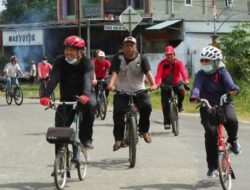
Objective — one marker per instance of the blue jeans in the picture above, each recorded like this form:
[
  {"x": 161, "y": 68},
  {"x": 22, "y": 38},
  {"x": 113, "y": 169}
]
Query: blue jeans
[{"x": 10, "y": 81}]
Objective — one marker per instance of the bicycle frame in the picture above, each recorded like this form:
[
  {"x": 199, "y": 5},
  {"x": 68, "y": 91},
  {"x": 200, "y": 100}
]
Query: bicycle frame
[
  {"x": 224, "y": 165},
  {"x": 64, "y": 154}
]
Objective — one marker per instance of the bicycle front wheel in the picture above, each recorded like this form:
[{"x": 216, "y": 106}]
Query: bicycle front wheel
[
  {"x": 102, "y": 105},
  {"x": 174, "y": 118},
  {"x": 83, "y": 162},
  {"x": 8, "y": 96},
  {"x": 60, "y": 169},
  {"x": 132, "y": 140},
  {"x": 18, "y": 96},
  {"x": 224, "y": 171}
]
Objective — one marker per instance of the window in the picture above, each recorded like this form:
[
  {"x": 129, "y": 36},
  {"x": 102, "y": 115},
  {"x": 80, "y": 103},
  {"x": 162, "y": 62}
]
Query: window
[
  {"x": 188, "y": 2},
  {"x": 248, "y": 7},
  {"x": 70, "y": 7},
  {"x": 137, "y": 4}
]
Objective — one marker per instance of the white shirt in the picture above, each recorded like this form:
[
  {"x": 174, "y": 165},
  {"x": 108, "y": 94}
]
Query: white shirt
[
  {"x": 12, "y": 70},
  {"x": 33, "y": 70}
]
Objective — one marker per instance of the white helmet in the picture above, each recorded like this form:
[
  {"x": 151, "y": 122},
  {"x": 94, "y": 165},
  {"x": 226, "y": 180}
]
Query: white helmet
[{"x": 211, "y": 53}]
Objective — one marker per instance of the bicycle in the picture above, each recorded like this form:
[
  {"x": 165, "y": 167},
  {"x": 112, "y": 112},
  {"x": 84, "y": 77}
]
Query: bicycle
[
  {"x": 15, "y": 93},
  {"x": 225, "y": 169},
  {"x": 173, "y": 108},
  {"x": 102, "y": 103},
  {"x": 41, "y": 90},
  {"x": 65, "y": 136},
  {"x": 131, "y": 125}
]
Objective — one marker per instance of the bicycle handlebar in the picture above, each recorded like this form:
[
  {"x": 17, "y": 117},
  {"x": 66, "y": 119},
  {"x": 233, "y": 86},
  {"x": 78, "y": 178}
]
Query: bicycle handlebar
[
  {"x": 132, "y": 93},
  {"x": 223, "y": 99}
]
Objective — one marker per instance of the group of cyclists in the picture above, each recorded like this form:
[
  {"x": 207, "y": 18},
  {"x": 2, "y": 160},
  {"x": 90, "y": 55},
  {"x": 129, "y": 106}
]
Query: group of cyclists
[{"x": 129, "y": 70}]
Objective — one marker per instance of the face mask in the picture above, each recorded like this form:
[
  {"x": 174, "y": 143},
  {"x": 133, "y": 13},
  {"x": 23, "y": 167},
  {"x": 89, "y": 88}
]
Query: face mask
[
  {"x": 44, "y": 62},
  {"x": 207, "y": 68},
  {"x": 71, "y": 61}
]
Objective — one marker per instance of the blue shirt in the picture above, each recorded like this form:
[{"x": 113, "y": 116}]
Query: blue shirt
[{"x": 212, "y": 87}]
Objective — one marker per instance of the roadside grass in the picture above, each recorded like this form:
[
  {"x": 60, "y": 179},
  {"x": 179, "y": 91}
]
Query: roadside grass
[{"x": 241, "y": 102}]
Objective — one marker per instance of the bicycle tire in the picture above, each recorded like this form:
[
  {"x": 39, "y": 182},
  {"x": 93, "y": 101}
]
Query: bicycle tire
[
  {"x": 224, "y": 169},
  {"x": 18, "y": 96},
  {"x": 174, "y": 118},
  {"x": 8, "y": 97},
  {"x": 83, "y": 163},
  {"x": 102, "y": 105},
  {"x": 60, "y": 169},
  {"x": 132, "y": 140}
]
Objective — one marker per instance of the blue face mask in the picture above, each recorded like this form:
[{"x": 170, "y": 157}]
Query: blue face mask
[
  {"x": 71, "y": 61},
  {"x": 209, "y": 69}
]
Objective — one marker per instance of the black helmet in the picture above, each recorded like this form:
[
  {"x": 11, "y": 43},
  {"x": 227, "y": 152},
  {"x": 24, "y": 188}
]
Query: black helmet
[{"x": 44, "y": 58}]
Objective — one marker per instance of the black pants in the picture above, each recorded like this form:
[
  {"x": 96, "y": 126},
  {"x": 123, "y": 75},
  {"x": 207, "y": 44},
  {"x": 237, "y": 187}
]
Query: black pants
[
  {"x": 120, "y": 104},
  {"x": 165, "y": 96},
  {"x": 231, "y": 126},
  {"x": 65, "y": 115}
]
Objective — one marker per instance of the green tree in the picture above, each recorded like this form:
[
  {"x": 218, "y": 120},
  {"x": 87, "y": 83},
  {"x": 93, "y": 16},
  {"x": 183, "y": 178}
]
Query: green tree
[
  {"x": 236, "y": 50},
  {"x": 28, "y": 11}
]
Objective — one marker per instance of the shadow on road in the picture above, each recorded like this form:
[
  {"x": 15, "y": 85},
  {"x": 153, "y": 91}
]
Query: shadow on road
[
  {"x": 28, "y": 186},
  {"x": 111, "y": 164},
  {"x": 203, "y": 184}
]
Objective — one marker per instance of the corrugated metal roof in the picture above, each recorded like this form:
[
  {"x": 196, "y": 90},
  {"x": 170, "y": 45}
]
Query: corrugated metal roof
[
  {"x": 163, "y": 25},
  {"x": 210, "y": 27}
]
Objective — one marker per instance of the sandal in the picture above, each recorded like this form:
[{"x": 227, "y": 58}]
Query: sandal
[
  {"x": 147, "y": 137},
  {"x": 117, "y": 145}
]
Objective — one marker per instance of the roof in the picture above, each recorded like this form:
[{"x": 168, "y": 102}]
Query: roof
[{"x": 163, "y": 24}]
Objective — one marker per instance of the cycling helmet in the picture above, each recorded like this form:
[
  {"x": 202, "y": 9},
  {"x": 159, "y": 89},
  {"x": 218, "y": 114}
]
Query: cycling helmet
[
  {"x": 169, "y": 49},
  {"x": 74, "y": 41},
  {"x": 211, "y": 53},
  {"x": 13, "y": 57}
]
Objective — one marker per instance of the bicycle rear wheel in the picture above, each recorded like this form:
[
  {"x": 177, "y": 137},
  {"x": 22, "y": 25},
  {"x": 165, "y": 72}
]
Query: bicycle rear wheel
[
  {"x": 18, "y": 96},
  {"x": 8, "y": 96},
  {"x": 60, "y": 169},
  {"x": 102, "y": 105},
  {"x": 224, "y": 171},
  {"x": 82, "y": 165},
  {"x": 174, "y": 118},
  {"x": 132, "y": 140}
]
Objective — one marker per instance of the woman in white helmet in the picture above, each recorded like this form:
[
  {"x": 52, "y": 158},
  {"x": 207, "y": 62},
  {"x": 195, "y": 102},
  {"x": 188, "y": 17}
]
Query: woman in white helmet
[{"x": 211, "y": 82}]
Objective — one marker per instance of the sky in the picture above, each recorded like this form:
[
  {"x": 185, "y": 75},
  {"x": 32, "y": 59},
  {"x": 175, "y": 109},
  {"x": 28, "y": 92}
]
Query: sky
[{"x": 1, "y": 6}]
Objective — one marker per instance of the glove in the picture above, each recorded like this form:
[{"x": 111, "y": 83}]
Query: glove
[
  {"x": 84, "y": 99},
  {"x": 45, "y": 101},
  {"x": 193, "y": 99}
]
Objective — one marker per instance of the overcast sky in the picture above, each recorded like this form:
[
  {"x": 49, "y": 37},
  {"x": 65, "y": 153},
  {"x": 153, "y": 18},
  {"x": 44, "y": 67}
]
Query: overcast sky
[{"x": 1, "y": 5}]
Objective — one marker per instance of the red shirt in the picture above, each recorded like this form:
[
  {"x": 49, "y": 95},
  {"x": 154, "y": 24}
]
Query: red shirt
[
  {"x": 165, "y": 68},
  {"x": 101, "y": 68},
  {"x": 44, "y": 70}
]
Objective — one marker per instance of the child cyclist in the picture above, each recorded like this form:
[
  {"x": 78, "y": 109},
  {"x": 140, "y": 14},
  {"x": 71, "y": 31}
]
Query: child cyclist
[{"x": 211, "y": 82}]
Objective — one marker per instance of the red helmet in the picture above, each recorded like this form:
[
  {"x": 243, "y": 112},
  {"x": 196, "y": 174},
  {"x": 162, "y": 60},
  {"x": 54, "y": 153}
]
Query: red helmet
[
  {"x": 169, "y": 49},
  {"x": 74, "y": 41}
]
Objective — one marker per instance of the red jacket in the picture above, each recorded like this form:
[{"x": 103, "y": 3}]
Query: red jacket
[
  {"x": 101, "y": 68},
  {"x": 165, "y": 68}
]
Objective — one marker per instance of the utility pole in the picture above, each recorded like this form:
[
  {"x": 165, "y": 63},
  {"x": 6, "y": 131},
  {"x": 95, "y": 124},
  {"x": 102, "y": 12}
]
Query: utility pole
[{"x": 79, "y": 18}]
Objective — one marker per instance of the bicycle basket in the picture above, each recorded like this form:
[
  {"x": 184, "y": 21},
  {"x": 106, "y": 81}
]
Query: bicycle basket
[{"x": 60, "y": 135}]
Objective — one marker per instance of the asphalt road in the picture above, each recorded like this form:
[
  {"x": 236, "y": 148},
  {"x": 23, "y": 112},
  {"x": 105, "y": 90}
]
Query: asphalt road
[{"x": 168, "y": 163}]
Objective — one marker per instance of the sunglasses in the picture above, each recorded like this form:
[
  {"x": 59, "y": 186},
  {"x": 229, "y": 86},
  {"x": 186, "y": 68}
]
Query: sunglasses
[{"x": 205, "y": 60}]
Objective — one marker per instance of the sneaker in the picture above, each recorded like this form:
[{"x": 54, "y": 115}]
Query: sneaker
[
  {"x": 167, "y": 126},
  {"x": 88, "y": 144},
  {"x": 212, "y": 173},
  {"x": 235, "y": 147}
]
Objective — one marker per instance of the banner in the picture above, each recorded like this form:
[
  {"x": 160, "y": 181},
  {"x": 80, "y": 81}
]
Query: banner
[{"x": 22, "y": 37}]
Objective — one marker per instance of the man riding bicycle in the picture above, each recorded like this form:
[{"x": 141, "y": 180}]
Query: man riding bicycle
[
  {"x": 102, "y": 67},
  {"x": 11, "y": 71},
  {"x": 128, "y": 72},
  {"x": 44, "y": 69},
  {"x": 74, "y": 72},
  {"x": 211, "y": 82},
  {"x": 171, "y": 71}
]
